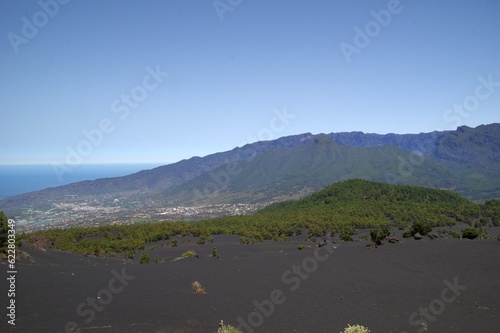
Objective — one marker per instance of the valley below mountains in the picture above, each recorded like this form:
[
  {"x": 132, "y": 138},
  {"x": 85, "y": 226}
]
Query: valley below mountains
[{"x": 248, "y": 178}]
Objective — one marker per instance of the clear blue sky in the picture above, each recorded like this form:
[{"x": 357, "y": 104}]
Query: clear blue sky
[{"x": 230, "y": 73}]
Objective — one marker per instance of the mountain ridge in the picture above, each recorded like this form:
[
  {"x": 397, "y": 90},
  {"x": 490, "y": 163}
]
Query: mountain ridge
[{"x": 466, "y": 160}]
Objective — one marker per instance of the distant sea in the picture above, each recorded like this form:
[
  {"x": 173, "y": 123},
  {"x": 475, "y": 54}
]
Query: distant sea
[{"x": 18, "y": 179}]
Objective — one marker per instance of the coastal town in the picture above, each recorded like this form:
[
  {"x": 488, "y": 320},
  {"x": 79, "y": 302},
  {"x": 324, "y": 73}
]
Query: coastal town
[{"x": 65, "y": 215}]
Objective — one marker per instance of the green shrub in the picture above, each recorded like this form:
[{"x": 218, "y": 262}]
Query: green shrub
[
  {"x": 378, "y": 234},
  {"x": 215, "y": 253},
  {"x": 345, "y": 235},
  {"x": 356, "y": 329},
  {"x": 496, "y": 221},
  {"x": 470, "y": 233},
  {"x": 158, "y": 260},
  {"x": 228, "y": 329},
  {"x": 301, "y": 246},
  {"x": 144, "y": 258},
  {"x": 174, "y": 242},
  {"x": 454, "y": 234},
  {"x": 483, "y": 234},
  {"x": 188, "y": 254},
  {"x": 421, "y": 228},
  {"x": 244, "y": 240}
]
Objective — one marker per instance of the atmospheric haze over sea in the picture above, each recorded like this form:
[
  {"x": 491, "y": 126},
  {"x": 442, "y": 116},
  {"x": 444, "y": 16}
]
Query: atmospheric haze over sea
[{"x": 18, "y": 179}]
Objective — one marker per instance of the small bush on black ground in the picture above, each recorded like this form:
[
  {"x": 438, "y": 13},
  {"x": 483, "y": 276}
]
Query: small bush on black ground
[
  {"x": 244, "y": 240},
  {"x": 421, "y": 228},
  {"x": 470, "y": 233},
  {"x": 228, "y": 329},
  {"x": 378, "y": 234},
  {"x": 158, "y": 260},
  {"x": 144, "y": 258},
  {"x": 215, "y": 253},
  {"x": 345, "y": 235}
]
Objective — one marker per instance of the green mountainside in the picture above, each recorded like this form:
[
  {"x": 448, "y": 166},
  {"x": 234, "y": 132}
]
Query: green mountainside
[
  {"x": 340, "y": 207},
  {"x": 312, "y": 166}
]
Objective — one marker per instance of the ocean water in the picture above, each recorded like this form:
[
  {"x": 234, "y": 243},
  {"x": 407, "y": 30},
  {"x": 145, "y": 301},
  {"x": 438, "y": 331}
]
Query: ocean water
[{"x": 18, "y": 179}]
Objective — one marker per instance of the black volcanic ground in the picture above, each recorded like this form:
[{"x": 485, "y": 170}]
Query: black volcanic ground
[{"x": 354, "y": 284}]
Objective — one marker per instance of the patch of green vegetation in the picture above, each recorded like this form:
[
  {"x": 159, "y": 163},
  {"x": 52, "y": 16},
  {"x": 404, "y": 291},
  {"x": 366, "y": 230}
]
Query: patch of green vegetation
[
  {"x": 421, "y": 228},
  {"x": 301, "y": 246},
  {"x": 189, "y": 254},
  {"x": 228, "y": 329},
  {"x": 345, "y": 234},
  {"x": 244, "y": 240},
  {"x": 356, "y": 329},
  {"x": 144, "y": 258},
  {"x": 470, "y": 233},
  {"x": 377, "y": 235},
  {"x": 158, "y": 260}
]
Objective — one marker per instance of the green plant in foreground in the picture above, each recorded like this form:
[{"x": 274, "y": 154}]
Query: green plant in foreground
[
  {"x": 301, "y": 246},
  {"x": 356, "y": 329},
  {"x": 228, "y": 329}
]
